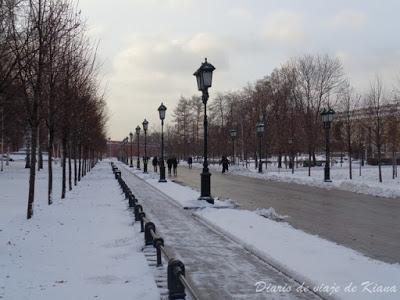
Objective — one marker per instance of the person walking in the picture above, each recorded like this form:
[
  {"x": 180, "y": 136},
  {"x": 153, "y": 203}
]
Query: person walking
[
  {"x": 225, "y": 164},
  {"x": 190, "y": 162},
  {"x": 169, "y": 165},
  {"x": 175, "y": 165},
  {"x": 155, "y": 163}
]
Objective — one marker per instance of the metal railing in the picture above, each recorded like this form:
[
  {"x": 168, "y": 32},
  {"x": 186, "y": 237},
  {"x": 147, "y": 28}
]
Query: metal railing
[{"x": 177, "y": 282}]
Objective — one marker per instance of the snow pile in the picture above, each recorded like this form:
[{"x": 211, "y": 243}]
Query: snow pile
[
  {"x": 82, "y": 247},
  {"x": 271, "y": 214}
]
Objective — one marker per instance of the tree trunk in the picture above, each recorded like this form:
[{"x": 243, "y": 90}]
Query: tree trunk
[
  {"x": 75, "y": 167},
  {"x": 28, "y": 152},
  {"x": 63, "y": 165},
  {"x": 379, "y": 163},
  {"x": 80, "y": 162},
  {"x": 32, "y": 170},
  {"x": 350, "y": 152},
  {"x": 40, "y": 154},
  {"x": 69, "y": 167},
  {"x": 394, "y": 164},
  {"x": 50, "y": 167},
  {"x": 350, "y": 166},
  {"x": 279, "y": 160}
]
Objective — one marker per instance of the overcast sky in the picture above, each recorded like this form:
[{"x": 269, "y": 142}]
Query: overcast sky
[{"x": 150, "y": 48}]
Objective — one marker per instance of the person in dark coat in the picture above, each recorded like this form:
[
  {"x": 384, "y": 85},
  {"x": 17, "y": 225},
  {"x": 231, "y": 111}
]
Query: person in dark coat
[
  {"x": 190, "y": 162},
  {"x": 155, "y": 163},
  {"x": 169, "y": 165},
  {"x": 225, "y": 164},
  {"x": 175, "y": 165}
]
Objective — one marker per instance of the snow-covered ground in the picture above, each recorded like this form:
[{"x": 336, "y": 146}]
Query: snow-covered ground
[
  {"x": 367, "y": 183},
  {"x": 82, "y": 247},
  {"x": 327, "y": 267}
]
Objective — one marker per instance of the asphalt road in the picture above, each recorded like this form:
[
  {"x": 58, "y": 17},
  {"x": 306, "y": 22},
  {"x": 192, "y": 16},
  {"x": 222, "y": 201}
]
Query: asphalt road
[{"x": 368, "y": 224}]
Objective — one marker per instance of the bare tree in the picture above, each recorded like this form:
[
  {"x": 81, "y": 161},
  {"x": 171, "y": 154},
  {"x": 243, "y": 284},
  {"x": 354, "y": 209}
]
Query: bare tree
[
  {"x": 375, "y": 103},
  {"x": 349, "y": 103}
]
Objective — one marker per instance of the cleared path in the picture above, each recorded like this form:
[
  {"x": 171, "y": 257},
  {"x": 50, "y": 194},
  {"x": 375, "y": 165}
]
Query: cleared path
[
  {"x": 368, "y": 224},
  {"x": 218, "y": 267}
]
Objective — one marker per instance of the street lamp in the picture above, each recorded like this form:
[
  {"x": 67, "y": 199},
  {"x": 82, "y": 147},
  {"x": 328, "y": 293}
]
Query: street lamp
[
  {"x": 145, "y": 126},
  {"x": 327, "y": 118},
  {"x": 260, "y": 132},
  {"x": 131, "y": 140},
  {"x": 233, "y": 133},
  {"x": 161, "y": 110},
  {"x": 204, "y": 81},
  {"x": 138, "y": 149}
]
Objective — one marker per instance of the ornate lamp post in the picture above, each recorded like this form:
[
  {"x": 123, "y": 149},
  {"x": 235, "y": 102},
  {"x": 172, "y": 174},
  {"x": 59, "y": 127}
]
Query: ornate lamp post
[
  {"x": 161, "y": 110},
  {"x": 260, "y": 132},
  {"x": 233, "y": 133},
  {"x": 327, "y": 118},
  {"x": 204, "y": 81},
  {"x": 138, "y": 149},
  {"x": 131, "y": 140},
  {"x": 145, "y": 126}
]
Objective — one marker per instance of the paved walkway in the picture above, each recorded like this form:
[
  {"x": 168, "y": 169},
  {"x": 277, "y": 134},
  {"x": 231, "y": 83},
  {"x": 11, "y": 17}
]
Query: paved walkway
[
  {"x": 364, "y": 223},
  {"x": 218, "y": 267}
]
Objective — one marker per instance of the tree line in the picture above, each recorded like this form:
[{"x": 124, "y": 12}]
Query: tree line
[
  {"x": 289, "y": 101},
  {"x": 49, "y": 89}
]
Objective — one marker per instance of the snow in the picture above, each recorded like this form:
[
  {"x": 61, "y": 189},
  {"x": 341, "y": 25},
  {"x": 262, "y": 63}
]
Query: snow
[
  {"x": 327, "y": 267},
  {"x": 82, "y": 247},
  {"x": 367, "y": 183},
  {"x": 310, "y": 259},
  {"x": 270, "y": 213}
]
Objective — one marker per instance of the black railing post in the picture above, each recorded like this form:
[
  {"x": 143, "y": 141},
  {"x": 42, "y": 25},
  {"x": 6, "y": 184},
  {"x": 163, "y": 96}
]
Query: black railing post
[
  {"x": 148, "y": 237},
  {"x": 138, "y": 209},
  {"x": 158, "y": 243},
  {"x": 175, "y": 286},
  {"x": 142, "y": 215}
]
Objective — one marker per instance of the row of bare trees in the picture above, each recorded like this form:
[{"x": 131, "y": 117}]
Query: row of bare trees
[
  {"x": 49, "y": 89},
  {"x": 289, "y": 101}
]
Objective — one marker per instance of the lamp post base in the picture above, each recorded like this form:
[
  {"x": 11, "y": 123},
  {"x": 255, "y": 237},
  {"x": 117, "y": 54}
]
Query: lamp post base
[
  {"x": 208, "y": 199},
  {"x": 327, "y": 175},
  {"x": 162, "y": 174},
  {"x": 206, "y": 187}
]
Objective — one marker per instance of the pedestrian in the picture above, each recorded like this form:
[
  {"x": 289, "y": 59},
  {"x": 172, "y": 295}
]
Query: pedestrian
[
  {"x": 175, "y": 165},
  {"x": 169, "y": 165},
  {"x": 225, "y": 164},
  {"x": 155, "y": 163},
  {"x": 190, "y": 161}
]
